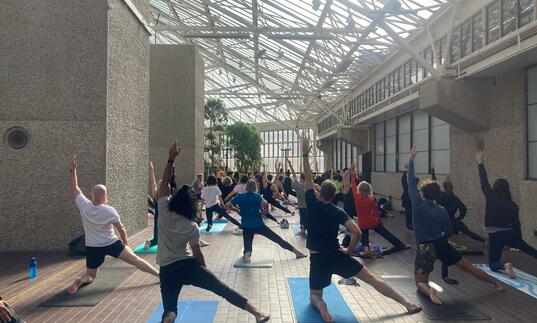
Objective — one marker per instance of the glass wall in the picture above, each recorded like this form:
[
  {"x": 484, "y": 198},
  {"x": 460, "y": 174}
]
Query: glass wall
[
  {"x": 532, "y": 121},
  {"x": 344, "y": 155},
  {"x": 394, "y": 137},
  {"x": 280, "y": 144}
]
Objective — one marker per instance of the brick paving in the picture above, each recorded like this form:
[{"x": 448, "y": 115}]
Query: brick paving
[{"x": 137, "y": 297}]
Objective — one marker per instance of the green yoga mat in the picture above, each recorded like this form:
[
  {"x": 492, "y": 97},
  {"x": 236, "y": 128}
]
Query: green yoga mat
[
  {"x": 452, "y": 309},
  {"x": 108, "y": 279},
  {"x": 140, "y": 248},
  {"x": 262, "y": 257}
]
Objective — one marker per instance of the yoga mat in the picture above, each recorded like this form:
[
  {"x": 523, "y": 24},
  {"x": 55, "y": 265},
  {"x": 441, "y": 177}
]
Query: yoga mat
[
  {"x": 452, "y": 308},
  {"x": 262, "y": 257},
  {"x": 305, "y": 312},
  {"x": 524, "y": 282},
  {"x": 218, "y": 226},
  {"x": 189, "y": 312},
  {"x": 296, "y": 229},
  {"x": 108, "y": 279},
  {"x": 140, "y": 248}
]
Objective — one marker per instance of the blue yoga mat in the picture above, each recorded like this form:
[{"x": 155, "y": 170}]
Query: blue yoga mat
[
  {"x": 306, "y": 313},
  {"x": 189, "y": 312},
  {"x": 524, "y": 282},
  {"x": 218, "y": 226}
]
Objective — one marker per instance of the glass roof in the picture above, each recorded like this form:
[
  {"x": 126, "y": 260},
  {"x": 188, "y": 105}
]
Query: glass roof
[{"x": 280, "y": 60}]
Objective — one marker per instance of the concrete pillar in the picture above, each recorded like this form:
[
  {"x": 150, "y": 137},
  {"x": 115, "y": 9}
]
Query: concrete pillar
[
  {"x": 76, "y": 79},
  {"x": 177, "y": 108},
  {"x": 358, "y": 138}
]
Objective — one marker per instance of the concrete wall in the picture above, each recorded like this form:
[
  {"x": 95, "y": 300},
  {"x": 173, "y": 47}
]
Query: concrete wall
[
  {"x": 176, "y": 108},
  {"x": 55, "y": 79}
]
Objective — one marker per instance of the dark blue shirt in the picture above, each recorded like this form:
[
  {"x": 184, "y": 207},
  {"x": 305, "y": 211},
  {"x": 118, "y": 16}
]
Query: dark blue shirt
[
  {"x": 430, "y": 220},
  {"x": 250, "y": 205}
]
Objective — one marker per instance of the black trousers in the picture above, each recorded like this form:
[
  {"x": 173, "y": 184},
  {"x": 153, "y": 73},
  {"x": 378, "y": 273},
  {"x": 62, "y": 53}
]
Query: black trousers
[
  {"x": 408, "y": 216},
  {"x": 461, "y": 227},
  {"x": 154, "y": 240},
  {"x": 190, "y": 272},
  {"x": 271, "y": 217},
  {"x": 248, "y": 238},
  {"x": 380, "y": 229},
  {"x": 277, "y": 204},
  {"x": 218, "y": 209}
]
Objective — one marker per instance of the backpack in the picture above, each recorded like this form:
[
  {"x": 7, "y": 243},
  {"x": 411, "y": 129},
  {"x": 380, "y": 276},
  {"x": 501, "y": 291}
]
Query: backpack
[{"x": 78, "y": 246}]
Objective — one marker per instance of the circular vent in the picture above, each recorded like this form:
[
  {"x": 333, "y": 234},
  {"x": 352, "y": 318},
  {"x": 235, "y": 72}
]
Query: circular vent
[{"x": 17, "y": 137}]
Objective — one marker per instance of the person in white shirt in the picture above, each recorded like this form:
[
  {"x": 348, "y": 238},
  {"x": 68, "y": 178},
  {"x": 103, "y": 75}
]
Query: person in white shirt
[
  {"x": 212, "y": 196},
  {"x": 99, "y": 221}
]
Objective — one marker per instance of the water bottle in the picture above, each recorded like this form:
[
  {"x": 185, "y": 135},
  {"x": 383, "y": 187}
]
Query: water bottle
[{"x": 33, "y": 268}]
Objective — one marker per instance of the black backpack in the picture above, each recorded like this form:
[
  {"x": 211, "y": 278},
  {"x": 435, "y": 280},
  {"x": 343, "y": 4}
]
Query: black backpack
[{"x": 78, "y": 246}]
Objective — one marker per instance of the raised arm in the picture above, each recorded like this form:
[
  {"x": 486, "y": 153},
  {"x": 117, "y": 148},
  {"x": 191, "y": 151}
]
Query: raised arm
[
  {"x": 173, "y": 152},
  {"x": 291, "y": 168},
  {"x": 75, "y": 190},
  {"x": 485, "y": 185},
  {"x": 411, "y": 179},
  {"x": 308, "y": 177},
  {"x": 153, "y": 183},
  {"x": 345, "y": 185}
]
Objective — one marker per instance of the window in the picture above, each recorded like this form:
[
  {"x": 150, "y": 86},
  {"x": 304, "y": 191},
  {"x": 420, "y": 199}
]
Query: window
[
  {"x": 404, "y": 145},
  {"x": 428, "y": 55},
  {"x": 420, "y": 138},
  {"x": 439, "y": 146},
  {"x": 509, "y": 16},
  {"x": 532, "y": 121},
  {"x": 391, "y": 139},
  {"x": 466, "y": 38},
  {"x": 493, "y": 22},
  {"x": 456, "y": 44},
  {"x": 379, "y": 147},
  {"x": 408, "y": 74},
  {"x": 477, "y": 32},
  {"x": 525, "y": 15}
]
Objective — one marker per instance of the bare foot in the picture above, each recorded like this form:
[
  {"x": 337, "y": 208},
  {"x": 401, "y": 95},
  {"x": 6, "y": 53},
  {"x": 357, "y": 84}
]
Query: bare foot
[
  {"x": 247, "y": 260},
  {"x": 73, "y": 288},
  {"x": 412, "y": 308},
  {"x": 323, "y": 310},
  {"x": 510, "y": 270},
  {"x": 204, "y": 243},
  {"x": 262, "y": 318},
  {"x": 434, "y": 297},
  {"x": 147, "y": 245}
]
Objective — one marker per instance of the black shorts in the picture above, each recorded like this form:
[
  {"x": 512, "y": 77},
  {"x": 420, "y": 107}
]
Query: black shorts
[
  {"x": 428, "y": 252},
  {"x": 95, "y": 255},
  {"x": 324, "y": 265}
]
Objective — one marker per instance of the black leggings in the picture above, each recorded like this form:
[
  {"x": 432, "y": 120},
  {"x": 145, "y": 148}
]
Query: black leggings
[
  {"x": 248, "y": 238},
  {"x": 190, "y": 272},
  {"x": 218, "y": 209},
  {"x": 460, "y": 226},
  {"x": 271, "y": 217},
  {"x": 408, "y": 216},
  {"x": 380, "y": 229},
  {"x": 277, "y": 204}
]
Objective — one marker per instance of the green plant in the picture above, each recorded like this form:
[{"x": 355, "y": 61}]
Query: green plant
[
  {"x": 246, "y": 143},
  {"x": 216, "y": 114}
]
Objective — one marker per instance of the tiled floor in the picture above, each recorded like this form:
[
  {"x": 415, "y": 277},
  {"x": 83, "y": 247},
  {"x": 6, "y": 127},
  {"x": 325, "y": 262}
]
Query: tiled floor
[{"x": 138, "y": 296}]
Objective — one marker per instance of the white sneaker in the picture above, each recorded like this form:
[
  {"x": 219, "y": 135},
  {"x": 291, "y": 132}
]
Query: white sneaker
[{"x": 237, "y": 231}]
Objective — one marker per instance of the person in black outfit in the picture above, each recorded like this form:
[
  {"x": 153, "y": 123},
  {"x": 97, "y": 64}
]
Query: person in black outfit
[
  {"x": 348, "y": 203},
  {"x": 288, "y": 184},
  {"x": 267, "y": 189},
  {"x": 405, "y": 199},
  {"x": 326, "y": 257},
  {"x": 501, "y": 220}
]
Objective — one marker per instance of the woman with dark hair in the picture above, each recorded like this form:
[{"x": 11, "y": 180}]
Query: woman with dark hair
[
  {"x": 213, "y": 203},
  {"x": 251, "y": 204},
  {"x": 267, "y": 190},
  {"x": 179, "y": 264}
]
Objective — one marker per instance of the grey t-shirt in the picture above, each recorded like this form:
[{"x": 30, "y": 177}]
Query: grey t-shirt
[
  {"x": 175, "y": 232},
  {"x": 300, "y": 194}
]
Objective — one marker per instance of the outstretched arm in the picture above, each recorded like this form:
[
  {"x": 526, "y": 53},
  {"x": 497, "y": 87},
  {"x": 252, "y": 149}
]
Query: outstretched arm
[
  {"x": 485, "y": 185},
  {"x": 291, "y": 168},
  {"x": 306, "y": 148},
  {"x": 411, "y": 179},
  {"x": 75, "y": 190},
  {"x": 347, "y": 180},
  {"x": 173, "y": 152},
  {"x": 153, "y": 183}
]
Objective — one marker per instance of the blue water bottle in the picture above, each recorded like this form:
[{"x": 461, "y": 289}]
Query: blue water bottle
[{"x": 33, "y": 268}]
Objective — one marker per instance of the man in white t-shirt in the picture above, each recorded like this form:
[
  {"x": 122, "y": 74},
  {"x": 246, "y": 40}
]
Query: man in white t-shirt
[
  {"x": 99, "y": 221},
  {"x": 212, "y": 196}
]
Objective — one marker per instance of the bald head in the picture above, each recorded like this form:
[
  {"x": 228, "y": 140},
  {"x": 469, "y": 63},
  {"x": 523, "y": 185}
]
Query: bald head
[{"x": 98, "y": 193}]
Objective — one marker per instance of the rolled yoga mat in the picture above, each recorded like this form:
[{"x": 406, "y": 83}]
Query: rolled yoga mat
[
  {"x": 108, "y": 279},
  {"x": 524, "y": 282},
  {"x": 189, "y": 312},
  {"x": 452, "y": 308},
  {"x": 262, "y": 257},
  {"x": 305, "y": 312}
]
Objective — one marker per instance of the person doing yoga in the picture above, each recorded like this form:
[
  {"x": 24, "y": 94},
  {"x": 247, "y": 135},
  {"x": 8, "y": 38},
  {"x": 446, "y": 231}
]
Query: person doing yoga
[
  {"x": 326, "y": 257},
  {"x": 267, "y": 189},
  {"x": 432, "y": 227},
  {"x": 298, "y": 187},
  {"x": 180, "y": 264},
  {"x": 99, "y": 220},
  {"x": 251, "y": 206},
  {"x": 212, "y": 196}
]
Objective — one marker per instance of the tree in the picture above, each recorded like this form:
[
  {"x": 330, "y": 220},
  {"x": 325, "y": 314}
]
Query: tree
[
  {"x": 216, "y": 114},
  {"x": 246, "y": 142}
]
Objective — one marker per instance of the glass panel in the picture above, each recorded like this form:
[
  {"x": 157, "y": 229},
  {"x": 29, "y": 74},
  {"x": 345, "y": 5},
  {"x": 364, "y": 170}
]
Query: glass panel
[
  {"x": 526, "y": 12},
  {"x": 532, "y": 160},
  {"x": 428, "y": 55},
  {"x": 421, "y": 163},
  {"x": 404, "y": 143},
  {"x": 532, "y": 122},
  {"x": 440, "y": 161},
  {"x": 509, "y": 15},
  {"x": 390, "y": 145},
  {"x": 403, "y": 158},
  {"x": 390, "y": 163},
  {"x": 379, "y": 130},
  {"x": 456, "y": 44},
  {"x": 493, "y": 22},
  {"x": 532, "y": 85},
  {"x": 436, "y": 122},
  {"x": 379, "y": 143},
  {"x": 420, "y": 120},
  {"x": 440, "y": 137},
  {"x": 379, "y": 163},
  {"x": 420, "y": 73},
  {"x": 420, "y": 138},
  {"x": 408, "y": 74},
  {"x": 477, "y": 22},
  {"x": 466, "y": 38},
  {"x": 404, "y": 123},
  {"x": 391, "y": 127}
]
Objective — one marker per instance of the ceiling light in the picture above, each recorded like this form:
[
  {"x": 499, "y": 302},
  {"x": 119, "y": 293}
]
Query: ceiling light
[{"x": 316, "y": 4}]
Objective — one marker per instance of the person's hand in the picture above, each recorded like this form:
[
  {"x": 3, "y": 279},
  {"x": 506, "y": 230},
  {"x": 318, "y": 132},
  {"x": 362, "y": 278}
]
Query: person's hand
[
  {"x": 5, "y": 314},
  {"x": 174, "y": 150},
  {"x": 74, "y": 163},
  {"x": 346, "y": 251},
  {"x": 413, "y": 152},
  {"x": 306, "y": 146},
  {"x": 480, "y": 157},
  {"x": 151, "y": 165}
]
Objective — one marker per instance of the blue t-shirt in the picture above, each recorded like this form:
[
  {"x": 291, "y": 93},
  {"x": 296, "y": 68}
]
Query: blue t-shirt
[{"x": 250, "y": 205}]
